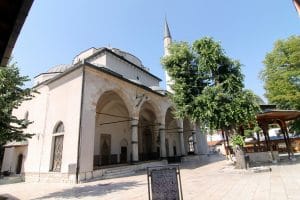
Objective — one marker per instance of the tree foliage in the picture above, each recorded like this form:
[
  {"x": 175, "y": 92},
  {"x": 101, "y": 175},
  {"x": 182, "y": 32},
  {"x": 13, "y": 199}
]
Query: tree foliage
[
  {"x": 281, "y": 74},
  {"x": 12, "y": 94},
  {"x": 208, "y": 85}
]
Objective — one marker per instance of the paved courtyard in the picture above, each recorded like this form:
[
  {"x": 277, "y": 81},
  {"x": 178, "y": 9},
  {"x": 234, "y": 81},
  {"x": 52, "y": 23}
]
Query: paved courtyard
[{"x": 214, "y": 179}]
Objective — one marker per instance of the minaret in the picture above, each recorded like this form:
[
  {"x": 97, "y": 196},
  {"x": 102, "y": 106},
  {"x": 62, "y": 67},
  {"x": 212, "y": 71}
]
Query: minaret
[{"x": 167, "y": 42}]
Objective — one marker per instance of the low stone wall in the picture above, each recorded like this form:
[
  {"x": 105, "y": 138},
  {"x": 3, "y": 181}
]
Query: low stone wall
[
  {"x": 263, "y": 156},
  {"x": 50, "y": 177},
  {"x": 56, "y": 177},
  {"x": 101, "y": 173}
]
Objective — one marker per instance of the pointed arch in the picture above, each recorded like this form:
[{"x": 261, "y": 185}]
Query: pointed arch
[
  {"x": 123, "y": 143},
  {"x": 112, "y": 125},
  {"x": 116, "y": 93},
  {"x": 59, "y": 127},
  {"x": 57, "y": 146}
]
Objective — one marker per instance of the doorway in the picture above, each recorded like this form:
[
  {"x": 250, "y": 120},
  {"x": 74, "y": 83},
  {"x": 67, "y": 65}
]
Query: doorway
[
  {"x": 123, "y": 155},
  {"x": 19, "y": 164},
  {"x": 105, "y": 149}
]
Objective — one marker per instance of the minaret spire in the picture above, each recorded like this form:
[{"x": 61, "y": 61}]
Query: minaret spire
[
  {"x": 167, "y": 33},
  {"x": 167, "y": 43},
  {"x": 167, "y": 38}
]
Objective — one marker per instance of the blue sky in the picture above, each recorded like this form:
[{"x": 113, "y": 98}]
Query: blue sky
[{"x": 56, "y": 31}]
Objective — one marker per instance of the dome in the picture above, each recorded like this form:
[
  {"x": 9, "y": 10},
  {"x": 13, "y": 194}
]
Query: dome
[
  {"x": 59, "y": 68},
  {"x": 128, "y": 56}
]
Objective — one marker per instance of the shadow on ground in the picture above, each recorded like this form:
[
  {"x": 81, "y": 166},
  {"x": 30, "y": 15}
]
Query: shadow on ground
[
  {"x": 91, "y": 190},
  {"x": 8, "y": 197},
  {"x": 209, "y": 159}
]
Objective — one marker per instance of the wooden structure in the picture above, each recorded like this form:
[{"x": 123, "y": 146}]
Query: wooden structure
[
  {"x": 279, "y": 117},
  {"x": 12, "y": 17}
]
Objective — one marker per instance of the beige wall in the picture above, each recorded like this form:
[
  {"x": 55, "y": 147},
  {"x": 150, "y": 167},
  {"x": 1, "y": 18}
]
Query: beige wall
[
  {"x": 11, "y": 158},
  {"x": 58, "y": 101}
]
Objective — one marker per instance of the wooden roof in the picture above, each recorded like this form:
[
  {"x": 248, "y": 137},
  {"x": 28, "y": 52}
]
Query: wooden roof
[
  {"x": 12, "y": 16},
  {"x": 284, "y": 115}
]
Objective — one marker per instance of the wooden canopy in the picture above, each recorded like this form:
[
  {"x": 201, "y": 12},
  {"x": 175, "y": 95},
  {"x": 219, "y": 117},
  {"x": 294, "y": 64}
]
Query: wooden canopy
[
  {"x": 284, "y": 115},
  {"x": 279, "y": 117},
  {"x": 12, "y": 16}
]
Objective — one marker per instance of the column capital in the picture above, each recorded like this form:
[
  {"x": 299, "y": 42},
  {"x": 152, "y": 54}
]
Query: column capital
[
  {"x": 162, "y": 126},
  {"x": 134, "y": 122},
  {"x": 180, "y": 130}
]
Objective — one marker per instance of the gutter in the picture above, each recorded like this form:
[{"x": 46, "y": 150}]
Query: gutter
[{"x": 80, "y": 126}]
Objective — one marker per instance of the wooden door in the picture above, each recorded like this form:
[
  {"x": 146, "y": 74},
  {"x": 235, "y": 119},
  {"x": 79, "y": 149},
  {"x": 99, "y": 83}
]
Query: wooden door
[
  {"x": 105, "y": 149},
  {"x": 19, "y": 164},
  {"x": 123, "y": 156},
  {"x": 57, "y": 154}
]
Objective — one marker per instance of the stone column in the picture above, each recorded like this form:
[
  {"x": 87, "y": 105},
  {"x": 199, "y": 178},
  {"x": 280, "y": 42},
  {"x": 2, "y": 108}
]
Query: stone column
[
  {"x": 202, "y": 142},
  {"x": 134, "y": 140},
  {"x": 194, "y": 133},
  {"x": 181, "y": 138},
  {"x": 162, "y": 137}
]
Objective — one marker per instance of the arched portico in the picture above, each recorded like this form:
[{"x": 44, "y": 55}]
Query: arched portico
[
  {"x": 148, "y": 136},
  {"x": 112, "y": 130},
  {"x": 172, "y": 130},
  {"x": 189, "y": 131}
]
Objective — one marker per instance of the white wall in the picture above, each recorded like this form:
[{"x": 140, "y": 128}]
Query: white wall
[
  {"x": 64, "y": 103},
  {"x": 58, "y": 101},
  {"x": 11, "y": 158}
]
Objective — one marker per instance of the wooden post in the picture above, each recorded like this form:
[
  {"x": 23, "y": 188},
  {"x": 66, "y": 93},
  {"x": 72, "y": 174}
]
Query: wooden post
[
  {"x": 288, "y": 139},
  {"x": 284, "y": 136},
  {"x": 258, "y": 139}
]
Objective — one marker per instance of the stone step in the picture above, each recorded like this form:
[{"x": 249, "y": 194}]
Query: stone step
[
  {"x": 118, "y": 170},
  {"x": 10, "y": 180},
  {"x": 117, "y": 175}
]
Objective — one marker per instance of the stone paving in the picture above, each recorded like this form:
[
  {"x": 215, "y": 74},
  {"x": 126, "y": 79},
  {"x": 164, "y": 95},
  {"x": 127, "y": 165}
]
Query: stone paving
[{"x": 211, "y": 180}]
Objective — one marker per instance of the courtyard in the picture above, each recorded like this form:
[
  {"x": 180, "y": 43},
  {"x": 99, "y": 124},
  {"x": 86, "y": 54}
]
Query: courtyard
[{"x": 212, "y": 178}]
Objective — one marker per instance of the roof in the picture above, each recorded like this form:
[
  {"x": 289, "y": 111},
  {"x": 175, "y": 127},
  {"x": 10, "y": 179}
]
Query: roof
[
  {"x": 101, "y": 69},
  {"x": 122, "y": 58},
  {"x": 214, "y": 143},
  {"x": 167, "y": 33},
  {"x": 59, "y": 68},
  {"x": 12, "y": 17},
  {"x": 15, "y": 143},
  {"x": 285, "y": 115}
]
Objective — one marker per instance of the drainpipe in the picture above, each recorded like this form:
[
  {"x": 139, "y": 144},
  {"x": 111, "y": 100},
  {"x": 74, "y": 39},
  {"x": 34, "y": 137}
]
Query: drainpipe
[{"x": 80, "y": 125}]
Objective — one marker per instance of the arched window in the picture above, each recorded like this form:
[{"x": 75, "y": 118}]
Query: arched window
[
  {"x": 191, "y": 144},
  {"x": 58, "y": 140},
  {"x": 59, "y": 128}
]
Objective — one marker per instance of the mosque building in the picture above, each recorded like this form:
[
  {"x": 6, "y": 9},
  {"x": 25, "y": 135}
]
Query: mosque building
[{"x": 102, "y": 111}]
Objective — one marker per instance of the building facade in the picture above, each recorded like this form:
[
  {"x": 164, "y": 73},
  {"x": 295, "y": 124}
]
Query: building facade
[{"x": 104, "y": 109}]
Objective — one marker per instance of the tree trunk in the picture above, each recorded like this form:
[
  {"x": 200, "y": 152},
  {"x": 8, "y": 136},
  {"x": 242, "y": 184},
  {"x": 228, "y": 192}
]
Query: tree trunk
[{"x": 240, "y": 158}]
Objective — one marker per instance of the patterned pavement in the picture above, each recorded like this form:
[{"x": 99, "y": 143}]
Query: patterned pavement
[{"x": 212, "y": 179}]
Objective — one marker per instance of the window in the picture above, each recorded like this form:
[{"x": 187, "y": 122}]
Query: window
[
  {"x": 59, "y": 128},
  {"x": 58, "y": 141},
  {"x": 191, "y": 144}
]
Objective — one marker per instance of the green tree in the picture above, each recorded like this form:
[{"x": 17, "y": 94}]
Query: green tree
[
  {"x": 12, "y": 94},
  {"x": 281, "y": 74},
  {"x": 208, "y": 85}
]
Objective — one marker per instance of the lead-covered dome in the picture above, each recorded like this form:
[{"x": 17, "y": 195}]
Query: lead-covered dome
[{"x": 59, "y": 68}]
